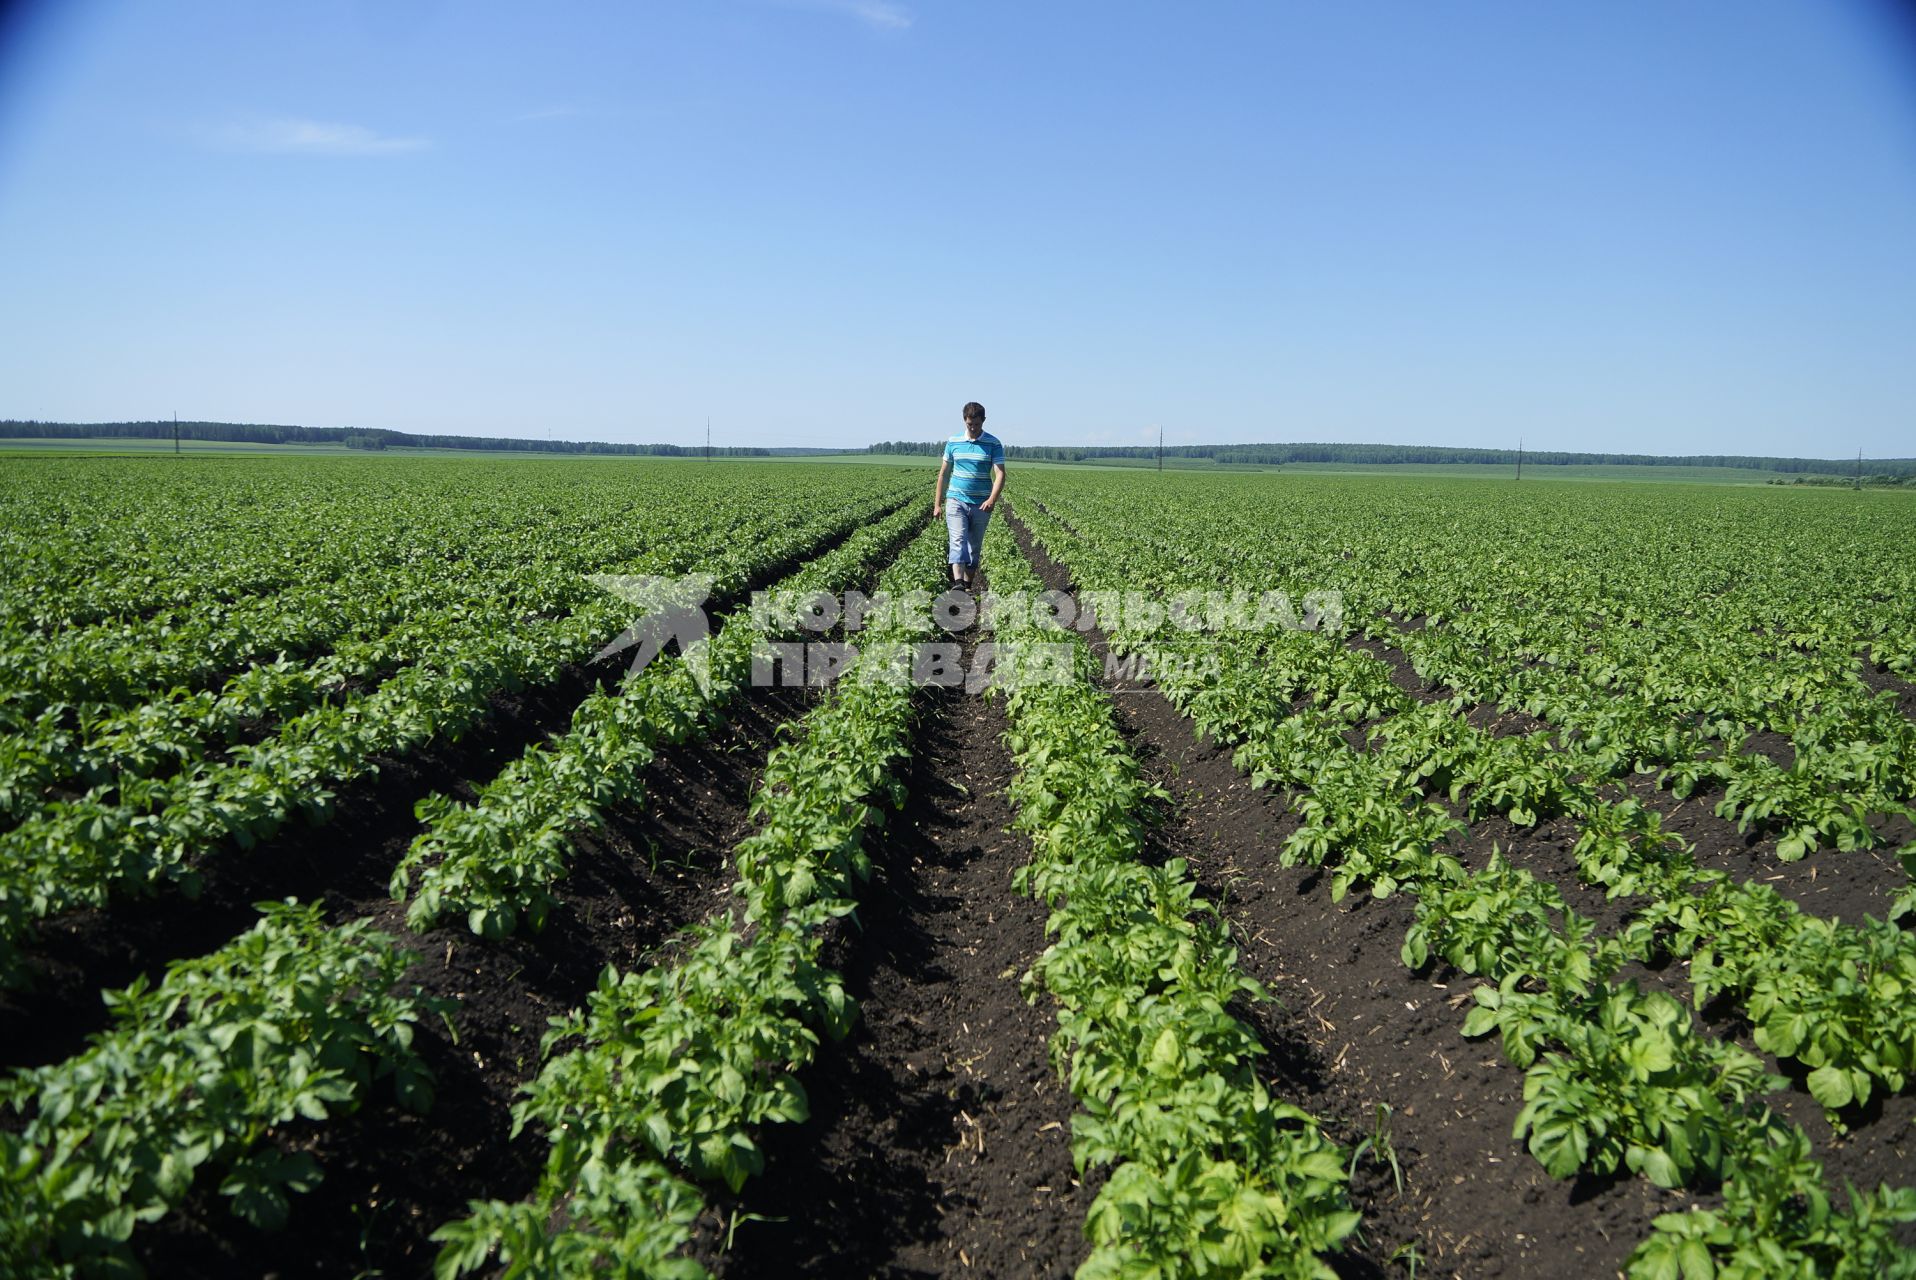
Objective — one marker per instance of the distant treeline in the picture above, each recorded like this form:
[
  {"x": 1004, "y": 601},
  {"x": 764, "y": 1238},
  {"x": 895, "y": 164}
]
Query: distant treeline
[
  {"x": 351, "y": 437},
  {"x": 1874, "y": 480},
  {"x": 1278, "y": 454}
]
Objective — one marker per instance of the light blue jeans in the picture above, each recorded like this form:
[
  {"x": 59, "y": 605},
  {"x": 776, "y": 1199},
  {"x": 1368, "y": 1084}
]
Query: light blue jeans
[{"x": 965, "y": 523}]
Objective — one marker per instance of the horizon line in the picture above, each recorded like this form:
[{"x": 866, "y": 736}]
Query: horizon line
[{"x": 335, "y": 433}]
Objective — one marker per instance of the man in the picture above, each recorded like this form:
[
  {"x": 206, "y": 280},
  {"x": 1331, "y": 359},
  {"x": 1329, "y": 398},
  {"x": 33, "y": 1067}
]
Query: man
[{"x": 969, "y": 481}]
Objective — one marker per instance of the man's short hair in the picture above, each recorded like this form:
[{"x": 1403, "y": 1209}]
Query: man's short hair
[{"x": 974, "y": 410}]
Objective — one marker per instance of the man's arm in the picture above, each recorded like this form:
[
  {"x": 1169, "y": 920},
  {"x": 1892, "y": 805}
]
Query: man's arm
[
  {"x": 997, "y": 486},
  {"x": 938, "y": 494}
]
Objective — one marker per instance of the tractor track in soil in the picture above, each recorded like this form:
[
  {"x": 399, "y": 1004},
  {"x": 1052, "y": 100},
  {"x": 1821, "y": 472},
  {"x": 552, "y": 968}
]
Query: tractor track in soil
[{"x": 939, "y": 1140}]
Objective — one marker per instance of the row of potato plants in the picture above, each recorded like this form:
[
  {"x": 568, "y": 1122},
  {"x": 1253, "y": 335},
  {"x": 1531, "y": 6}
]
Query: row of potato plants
[
  {"x": 1410, "y": 851},
  {"x": 369, "y": 622},
  {"x": 1210, "y": 1175},
  {"x": 195, "y": 1078},
  {"x": 1616, "y": 1077},
  {"x": 1662, "y": 630},
  {"x": 494, "y": 861},
  {"x": 61, "y": 676},
  {"x": 148, "y": 832},
  {"x": 1853, "y": 757},
  {"x": 660, "y": 1082},
  {"x": 1619, "y": 1078},
  {"x": 1829, "y": 994}
]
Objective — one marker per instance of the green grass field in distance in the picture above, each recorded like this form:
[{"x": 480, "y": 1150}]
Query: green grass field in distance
[{"x": 144, "y": 447}]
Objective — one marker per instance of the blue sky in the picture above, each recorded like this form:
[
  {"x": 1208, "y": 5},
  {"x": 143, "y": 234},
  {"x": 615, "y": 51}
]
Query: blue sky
[{"x": 1650, "y": 227}]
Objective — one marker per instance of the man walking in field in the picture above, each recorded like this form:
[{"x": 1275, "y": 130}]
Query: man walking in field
[{"x": 969, "y": 481}]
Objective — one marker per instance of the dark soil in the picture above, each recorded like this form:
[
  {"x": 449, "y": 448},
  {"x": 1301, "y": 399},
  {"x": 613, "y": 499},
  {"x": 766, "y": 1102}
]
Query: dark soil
[
  {"x": 939, "y": 1138},
  {"x": 1879, "y": 1146},
  {"x": 1881, "y": 679},
  {"x": 1402, "y": 673},
  {"x": 393, "y": 1177},
  {"x": 1545, "y": 850},
  {"x": 1830, "y": 883},
  {"x": 1773, "y": 746}
]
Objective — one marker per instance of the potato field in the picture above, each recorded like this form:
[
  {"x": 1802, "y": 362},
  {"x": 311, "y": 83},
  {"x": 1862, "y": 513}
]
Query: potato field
[{"x": 1264, "y": 875}]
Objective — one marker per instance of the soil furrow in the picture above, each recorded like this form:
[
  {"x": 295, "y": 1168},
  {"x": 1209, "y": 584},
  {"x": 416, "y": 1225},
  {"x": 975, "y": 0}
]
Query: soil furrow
[
  {"x": 939, "y": 1138},
  {"x": 1874, "y": 673},
  {"x": 391, "y": 1177}
]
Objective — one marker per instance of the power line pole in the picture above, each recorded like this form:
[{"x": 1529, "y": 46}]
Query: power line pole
[
  {"x": 1519, "y": 457},
  {"x": 176, "y": 433},
  {"x": 1859, "y": 469},
  {"x": 1160, "y": 447},
  {"x": 708, "y": 438}
]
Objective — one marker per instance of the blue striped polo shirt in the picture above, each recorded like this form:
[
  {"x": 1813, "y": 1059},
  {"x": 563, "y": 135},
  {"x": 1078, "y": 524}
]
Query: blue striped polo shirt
[{"x": 971, "y": 464}]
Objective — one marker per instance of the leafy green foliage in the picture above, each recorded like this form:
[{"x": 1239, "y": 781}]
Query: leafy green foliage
[
  {"x": 291, "y": 1020},
  {"x": 1209, "y": 1174},
  {"x": 1502, "y": 923},
  {"x": 666, "y": 1074},
  {"x": 496, "y": 861},
  {"x": 626, "y": 1219},
  {"x": 1616, "y": 1077},
  {"x": 139, "y": 832},
  {"x": 1777, "y": 1220},
  {"x": 1634, "y": 1085}
]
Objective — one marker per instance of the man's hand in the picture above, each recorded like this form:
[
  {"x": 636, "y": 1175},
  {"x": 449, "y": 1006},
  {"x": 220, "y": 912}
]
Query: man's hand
[
  {"x": 937, "y": 508},
  {"x": 986, "y": 504}
]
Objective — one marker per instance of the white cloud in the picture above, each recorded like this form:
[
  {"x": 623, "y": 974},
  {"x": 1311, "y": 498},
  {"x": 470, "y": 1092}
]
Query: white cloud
[
  {"x": 562, "y": 111},
  {"x": 881, "y": 15},
  {"x": 314, "y": 137}
]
